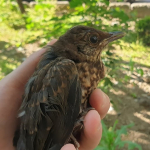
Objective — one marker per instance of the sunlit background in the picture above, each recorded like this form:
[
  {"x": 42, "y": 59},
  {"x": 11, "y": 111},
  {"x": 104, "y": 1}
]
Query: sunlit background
[{"x": 25, "y": 27}]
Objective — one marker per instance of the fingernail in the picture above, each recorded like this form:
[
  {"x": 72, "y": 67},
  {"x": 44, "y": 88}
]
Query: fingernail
[
  {"x": 99, "y": 127},
  {"x": 99, "y": 124},
  {"x": 105, "y": 100}
]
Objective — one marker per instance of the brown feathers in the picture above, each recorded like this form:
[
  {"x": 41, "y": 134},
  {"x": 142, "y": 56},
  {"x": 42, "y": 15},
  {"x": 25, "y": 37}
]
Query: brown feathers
[{"x": 57, "y": 94}]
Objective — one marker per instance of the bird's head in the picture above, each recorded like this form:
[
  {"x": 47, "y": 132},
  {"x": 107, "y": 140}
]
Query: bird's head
[{"x": 82, "y": 43}]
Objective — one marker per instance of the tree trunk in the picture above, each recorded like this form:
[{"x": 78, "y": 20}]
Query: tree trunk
[{"x": 21, "y": 6}]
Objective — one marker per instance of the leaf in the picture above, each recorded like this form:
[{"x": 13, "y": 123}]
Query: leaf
[
  {"x": 121, "y": 131},
  {"x": 75, "y": 3},
  {"x": 140, "y": 71},
  {"x": 131, "y": 64},
  {"x": 132, "y": 145},
  {"x": 107, "y": 81},
  {"x": 106, "y": 2},
  {"x": 114, "y": 126},
  {"x": 109, "y": 53}
]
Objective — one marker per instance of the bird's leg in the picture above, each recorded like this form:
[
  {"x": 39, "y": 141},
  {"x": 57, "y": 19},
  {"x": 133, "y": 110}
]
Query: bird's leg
[
  {"x": 81, "y": 117},
  {"x": 85, "y": 111},
  {"x": 75, "y": 142},
  {"x": 79, "y": 125}
]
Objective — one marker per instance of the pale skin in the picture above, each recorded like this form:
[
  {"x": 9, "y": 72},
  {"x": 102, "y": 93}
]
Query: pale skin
[{"x": 11, "y": 91}]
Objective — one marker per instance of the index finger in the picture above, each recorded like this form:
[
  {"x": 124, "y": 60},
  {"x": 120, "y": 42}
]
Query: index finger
[{"x": 100, "y": 101}]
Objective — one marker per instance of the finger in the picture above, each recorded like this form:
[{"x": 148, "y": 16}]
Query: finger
[
  {"x": 52, "y": 42},
  {"x": 20, "y": 76},
  {"x": 92, "y": 131},
  {"x": 100, "y": 101},
  {"x": 68, "y": 147}
]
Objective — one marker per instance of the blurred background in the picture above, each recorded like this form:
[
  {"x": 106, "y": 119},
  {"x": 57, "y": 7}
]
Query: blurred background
[{"x": 25, "y": 26}]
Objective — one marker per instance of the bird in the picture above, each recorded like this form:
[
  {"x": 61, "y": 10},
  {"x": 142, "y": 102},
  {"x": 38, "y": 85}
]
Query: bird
[{"x": 55, "y": 99}]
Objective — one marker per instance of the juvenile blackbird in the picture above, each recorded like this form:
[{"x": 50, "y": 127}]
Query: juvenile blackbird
[{"x": 56, "y": 96}]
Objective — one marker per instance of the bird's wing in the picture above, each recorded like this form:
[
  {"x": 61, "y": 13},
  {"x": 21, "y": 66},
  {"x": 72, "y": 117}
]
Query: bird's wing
[{"x": 50, "y": 107}]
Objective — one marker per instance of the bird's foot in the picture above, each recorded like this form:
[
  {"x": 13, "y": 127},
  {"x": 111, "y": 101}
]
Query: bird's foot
[
  {"x": 75, "y": 142},
  {"x": 85, "y": 111},
  {"x": 79, "y": 125}
]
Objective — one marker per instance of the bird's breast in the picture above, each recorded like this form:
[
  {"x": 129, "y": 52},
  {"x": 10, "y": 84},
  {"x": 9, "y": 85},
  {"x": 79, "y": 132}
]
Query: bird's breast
[{"x": 89, "y": 75}]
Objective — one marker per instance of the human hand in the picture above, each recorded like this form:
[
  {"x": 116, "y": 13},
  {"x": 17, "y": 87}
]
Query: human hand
[
  {"x": 11, "y": 91},
  {"x": 92, "y": 133}
]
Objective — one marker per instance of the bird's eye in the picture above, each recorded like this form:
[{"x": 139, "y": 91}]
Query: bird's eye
[{"x": 93, "y": 39}]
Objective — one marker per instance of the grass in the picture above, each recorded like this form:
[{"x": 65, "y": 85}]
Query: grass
[
  {"x": 7, "y": 66},
  {"x": 111, "y": 138},
  {"x": 18, "y": 38},
  {"x": 136, "y": 51}
]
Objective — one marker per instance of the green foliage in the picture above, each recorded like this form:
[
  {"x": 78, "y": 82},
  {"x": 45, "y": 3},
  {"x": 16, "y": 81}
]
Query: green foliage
[
  {"x": 31, "y": 25},
  {"x": 135, "y": 69},
  {"x": 45, "y": 21},
  {"x": 131, "y": 65},
  {"x": 111, "y": 138},
  {"x": 143, "y": 30},
  {"x": 50, "y": 21},
  {"x": 10, "y": 14},
  {"x": 135, "y": 50},
  {"x": 94, "y": 14},
  {"x": 9, "y": 58},
  {"x": 134, "y": 95},
  {"x": 7, "y": 65}
]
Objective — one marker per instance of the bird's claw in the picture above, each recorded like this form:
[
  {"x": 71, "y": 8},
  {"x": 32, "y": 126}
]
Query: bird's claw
[{"x": 76, "y": 143}]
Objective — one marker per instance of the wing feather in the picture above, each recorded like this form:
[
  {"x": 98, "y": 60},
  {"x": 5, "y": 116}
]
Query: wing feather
[{"x": 51, "y": 103}]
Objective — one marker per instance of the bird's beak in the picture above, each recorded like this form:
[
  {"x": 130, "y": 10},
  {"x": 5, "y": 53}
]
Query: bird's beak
[{"x": 114, "y": 36}]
